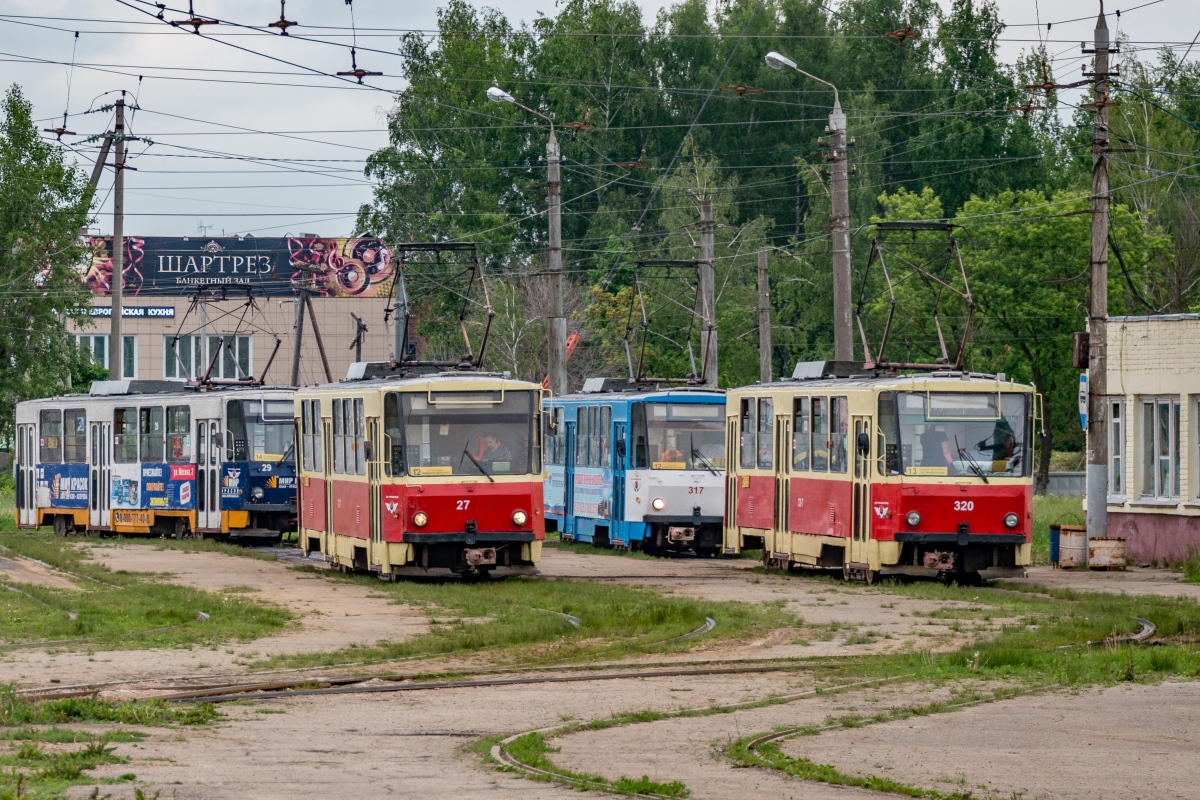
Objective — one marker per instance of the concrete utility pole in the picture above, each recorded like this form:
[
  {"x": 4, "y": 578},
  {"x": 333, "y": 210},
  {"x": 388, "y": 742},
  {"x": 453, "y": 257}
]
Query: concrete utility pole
[
  {"x": 298, "y": 335},
  {"x": 558, "y": 321},
  {"x": 764, "y": 320},
  {"x": 843, "y": 341},
  {"x": 1097, "y": 421},
  {"x": 706, "y": 296},
  {"x": 116, "y": 349}
]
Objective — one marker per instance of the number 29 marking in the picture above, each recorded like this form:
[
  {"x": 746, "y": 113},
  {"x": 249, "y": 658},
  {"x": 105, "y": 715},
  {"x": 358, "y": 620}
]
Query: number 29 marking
[{"x": 964, "y": 505}]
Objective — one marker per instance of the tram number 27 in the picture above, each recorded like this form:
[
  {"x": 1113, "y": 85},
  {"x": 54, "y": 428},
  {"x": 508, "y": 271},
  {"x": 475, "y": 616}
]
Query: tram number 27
[
  {"x": 964, "y": 505},
  {"x": 462, "y": 505},
  {"x": 695, "y": 490}
]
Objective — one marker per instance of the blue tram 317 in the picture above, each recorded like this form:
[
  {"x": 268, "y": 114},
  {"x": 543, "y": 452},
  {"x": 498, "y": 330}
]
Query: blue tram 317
[{"x": 642, "y": 469}]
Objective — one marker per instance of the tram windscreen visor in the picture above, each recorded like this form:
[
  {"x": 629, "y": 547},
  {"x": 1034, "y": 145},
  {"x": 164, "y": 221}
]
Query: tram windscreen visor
[
  {"x": 261, "y": 430},
  {"x": 964, "y": 433},
  {"x": 686, "y": 435},
  {"x": 467, "y": 433}
]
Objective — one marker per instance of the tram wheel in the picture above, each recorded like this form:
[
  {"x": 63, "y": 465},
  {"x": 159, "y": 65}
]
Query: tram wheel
[{"x": 869, "y": 576}]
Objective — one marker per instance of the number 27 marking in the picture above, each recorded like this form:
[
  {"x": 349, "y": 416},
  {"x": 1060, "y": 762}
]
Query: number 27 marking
[{"x": 462, "y": 505}]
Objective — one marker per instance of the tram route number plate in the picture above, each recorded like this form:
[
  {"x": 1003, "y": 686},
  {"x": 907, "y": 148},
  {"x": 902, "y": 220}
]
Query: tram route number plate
[{"x": 145, "y": 518}]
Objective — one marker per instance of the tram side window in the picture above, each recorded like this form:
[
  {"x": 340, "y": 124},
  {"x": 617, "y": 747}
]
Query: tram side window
[
  {"x": 749, "y": 426},
  {"x": 317, "y": 426},
  {"x": 800, "y": 425},
  {"x": 393, "y": 464},
  {"x": 151, "y": 427},
  {"x": 125, "y": 435},
  {"x": 820, "y": 434},
  {"x": 766, "y": 424},
  {"x": 50, "y": 450},
  {"x": 305, "y": 436},
  {"x": 179, "y": 437},
  {"x": 638, "y": 424},
  {"x": 889, "y": 425},
  {"x": 593, "y": 436},
  {"x": 581, "y": 436},
  {"x": 348, "y": 436},
  {"x": 74, "y": 436},
  {"x": 605, "y": 436},
  {"x": 236, "y": 430},
  {"x": 839, "y": 423},
  {"x": 360, "y": 436},
  {"x": 338, "y": 437}
]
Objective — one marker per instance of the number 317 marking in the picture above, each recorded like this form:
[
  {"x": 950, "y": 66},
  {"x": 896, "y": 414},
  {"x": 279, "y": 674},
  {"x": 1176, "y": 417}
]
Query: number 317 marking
[
  {"x": 695, "y": 490},
  {"x": 964, "y": 505}
]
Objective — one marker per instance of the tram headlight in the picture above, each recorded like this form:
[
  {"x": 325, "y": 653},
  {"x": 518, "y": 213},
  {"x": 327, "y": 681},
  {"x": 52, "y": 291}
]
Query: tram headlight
[
  {"x": 420, "y": 519},
  {"x": 658, "y": 503},
  {"x": 1011, "y": 520},
  {"x": 256, "y": 493},
  {"x": 913, "y": 519},
  {"x": 519, "y": 518}
]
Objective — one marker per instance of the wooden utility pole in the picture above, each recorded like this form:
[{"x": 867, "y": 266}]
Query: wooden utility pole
[
  {"x": 1097, "y": 421},
  {"x": 764, "y": 320},
  {"x": 558, "y": 321},
  {"x": 706, "y": 304},
  {"x": 843, "y": 341},
  {"x": 116, "y": 350}
]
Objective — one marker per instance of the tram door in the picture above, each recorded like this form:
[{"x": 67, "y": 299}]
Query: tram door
[
  {"x": 208, "y": 485},
  {"x": 569, "y": 526},
  {"x": 783, "y": 468},
  {"x": 327, "y": 439},
  {"x": 99, "y": 474},
  {"x": 732, "y": 536},
  {"x": 618, "y": 483},
  {"x": 26, "y": 475},
  {"x": 860, "y": 540},
  {"x": 374, "y": 470}
]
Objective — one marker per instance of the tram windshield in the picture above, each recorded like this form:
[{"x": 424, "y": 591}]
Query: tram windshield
[
  {"x": 685, "y": 435},
  {"x": 462, "y": 433},
  {"x": 960, "y": 433},
  {"x": 261, "y": 430}
]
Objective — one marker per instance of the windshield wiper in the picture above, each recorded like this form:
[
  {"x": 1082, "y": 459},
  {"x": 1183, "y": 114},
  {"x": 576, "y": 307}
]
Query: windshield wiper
[
  {"x": 478, "y": 466},
  {"x": 978, "y": 470},
  {"x": 698, "y": 455}
]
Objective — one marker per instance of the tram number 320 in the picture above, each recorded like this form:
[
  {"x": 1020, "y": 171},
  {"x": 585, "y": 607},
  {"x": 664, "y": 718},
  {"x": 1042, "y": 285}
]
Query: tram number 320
[{"x": 964, "y": 505}]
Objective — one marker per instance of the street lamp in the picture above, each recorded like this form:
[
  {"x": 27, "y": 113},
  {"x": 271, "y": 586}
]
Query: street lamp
[
  {"x": 843, "y": 343},
  {"x": 558, "y": 322}
]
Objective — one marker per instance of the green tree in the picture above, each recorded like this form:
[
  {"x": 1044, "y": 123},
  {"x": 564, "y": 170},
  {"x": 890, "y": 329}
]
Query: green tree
[{"x": 44, "y": 202}]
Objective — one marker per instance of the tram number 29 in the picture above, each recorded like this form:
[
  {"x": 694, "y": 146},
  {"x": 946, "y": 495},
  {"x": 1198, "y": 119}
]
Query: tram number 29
[
  {"x": 695, "y": 490},
  {"x": 964, "y": 505}
]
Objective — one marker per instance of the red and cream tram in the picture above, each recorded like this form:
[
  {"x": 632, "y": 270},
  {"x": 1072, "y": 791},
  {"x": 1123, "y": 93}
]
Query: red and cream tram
[
  {"x": 414, "y": 475},
  {"x": 882, "y": 474}
]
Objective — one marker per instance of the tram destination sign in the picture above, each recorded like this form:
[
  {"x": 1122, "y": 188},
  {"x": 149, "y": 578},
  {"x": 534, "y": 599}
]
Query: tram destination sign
[{"x": 159, "y": 266}]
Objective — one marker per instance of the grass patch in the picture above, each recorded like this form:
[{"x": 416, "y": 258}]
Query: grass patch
[
  {"x": 207, "y": 546},
  {"x": 1191, "y": 565},
  {"x": 118, "y": 609},
  {"x": 17, "y": 712},
  {"x": 1049, "y": 511},
  {"x": 531, "y": 749},
  {"x": 510, "y": 621}
]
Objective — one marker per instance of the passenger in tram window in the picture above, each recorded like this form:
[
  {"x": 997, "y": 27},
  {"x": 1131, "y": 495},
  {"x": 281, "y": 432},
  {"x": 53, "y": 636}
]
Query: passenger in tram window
[
  {"x": 671, "y": 454},
  {"x": 935, "y": 448},
  {"x": 1003, "y": 442}
]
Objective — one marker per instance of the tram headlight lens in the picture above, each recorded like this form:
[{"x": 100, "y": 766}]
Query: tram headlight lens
[
  {"x": 658, "y": 503},
  {"x": 256, "y": 493},
  {"x": 1011, "y": 520},
  {"x": 913, "y": 519},
  {"x": 420, "y": 519},
  {"x": 519, "y": 518}
]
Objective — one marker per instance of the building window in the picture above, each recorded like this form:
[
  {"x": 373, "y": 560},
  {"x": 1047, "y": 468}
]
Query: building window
[
  {"x": 233, "y": 354},
  {"x": 1160, "y": 447},
  {"x": 183, "y": 357},
  {"x": 1116, "y": 448},
  {"x": 96, "y": 345},
  {"x": 128, "y": 357}
]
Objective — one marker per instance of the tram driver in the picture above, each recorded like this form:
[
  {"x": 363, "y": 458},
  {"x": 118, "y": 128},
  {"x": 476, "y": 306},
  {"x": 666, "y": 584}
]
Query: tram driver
[
  {"x": 494, "y": 449},
  {"x": 935, "y": 447}
]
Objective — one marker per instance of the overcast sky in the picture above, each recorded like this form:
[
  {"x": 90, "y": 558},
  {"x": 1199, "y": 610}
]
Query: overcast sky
[{"x": 246, "y": 144}]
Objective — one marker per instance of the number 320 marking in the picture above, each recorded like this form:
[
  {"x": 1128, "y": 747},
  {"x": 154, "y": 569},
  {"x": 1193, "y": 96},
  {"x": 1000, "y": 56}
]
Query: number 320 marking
[{"x": 964, "y": 505}]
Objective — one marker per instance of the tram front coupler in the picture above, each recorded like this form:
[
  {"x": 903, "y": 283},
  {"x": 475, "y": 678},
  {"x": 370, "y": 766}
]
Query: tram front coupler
[
  {"x": 480, "y": 556},
  {"x": 677, "y": 534},
  {"x": 940, "y": 559}
]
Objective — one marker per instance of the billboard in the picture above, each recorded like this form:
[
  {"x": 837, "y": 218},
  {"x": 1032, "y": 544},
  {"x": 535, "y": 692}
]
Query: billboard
[{"x": 176, "y": 265}]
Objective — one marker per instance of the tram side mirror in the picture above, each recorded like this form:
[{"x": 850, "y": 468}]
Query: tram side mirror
[
  {"x": 864, "y": 443},
  {"x": 620, "y": 448}
]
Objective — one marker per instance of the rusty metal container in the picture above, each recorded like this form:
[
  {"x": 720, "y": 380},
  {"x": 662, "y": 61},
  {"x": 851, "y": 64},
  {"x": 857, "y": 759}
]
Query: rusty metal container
[
  {"x": 1072, "y": 546},
  {"x": 1106, "y": 554}
]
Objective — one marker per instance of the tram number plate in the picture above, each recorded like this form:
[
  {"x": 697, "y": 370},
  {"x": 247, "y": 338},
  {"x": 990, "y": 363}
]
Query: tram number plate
[
  {"x": 145, "y": 518},
  {"x": 964, "y": 505}
]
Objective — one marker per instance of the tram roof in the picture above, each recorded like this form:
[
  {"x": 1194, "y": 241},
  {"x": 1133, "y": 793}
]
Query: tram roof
[
  {"x": 686, "y": 393},
  {"x": 431, "y": 380},
  {"x": 918, "y": 381},
  {"x": 159, "y": 390}
]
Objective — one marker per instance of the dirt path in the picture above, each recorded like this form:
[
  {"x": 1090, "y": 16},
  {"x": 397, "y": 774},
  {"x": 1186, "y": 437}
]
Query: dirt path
[
  {"x": 1133, "y": 580},
  {"x": 22, "y": 570},
  {"x": 330, "y": 615}
]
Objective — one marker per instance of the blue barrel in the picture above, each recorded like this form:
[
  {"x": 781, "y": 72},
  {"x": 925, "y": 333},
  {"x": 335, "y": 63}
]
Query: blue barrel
[{"x": 1055, "y": 533}]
